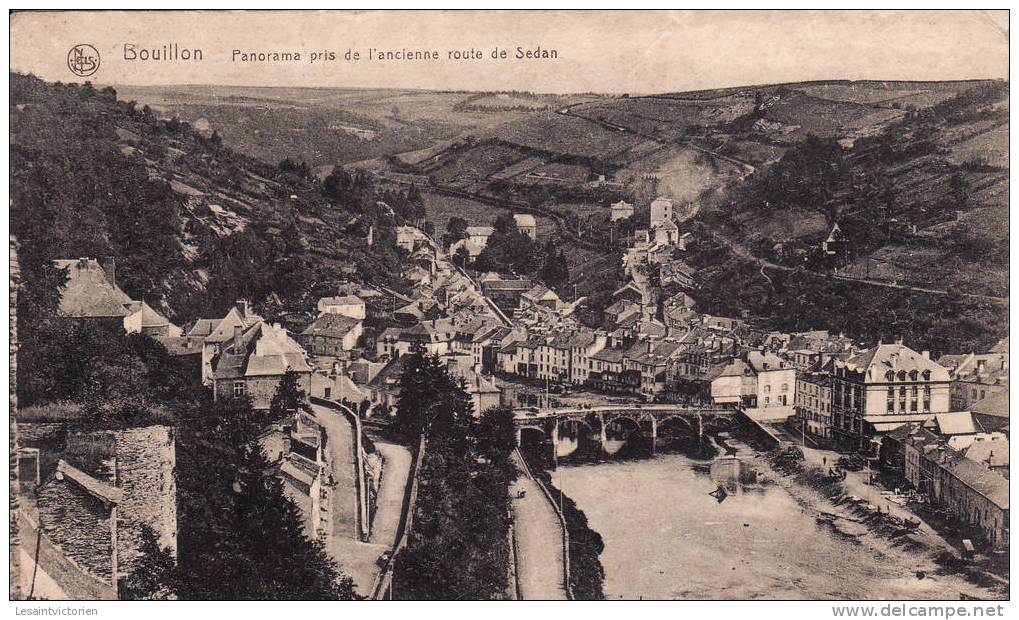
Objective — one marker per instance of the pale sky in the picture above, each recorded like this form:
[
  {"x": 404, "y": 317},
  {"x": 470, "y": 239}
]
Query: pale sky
[{"x": 638, "y": 52}]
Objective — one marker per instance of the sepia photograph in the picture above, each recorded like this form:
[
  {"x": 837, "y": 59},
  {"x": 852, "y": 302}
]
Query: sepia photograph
[{"x": 491, "y": 305}]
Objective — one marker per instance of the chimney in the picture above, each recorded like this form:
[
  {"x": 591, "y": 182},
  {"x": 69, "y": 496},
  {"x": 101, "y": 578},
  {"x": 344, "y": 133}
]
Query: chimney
[
  {"x": 926, "y": 354},
  {"x": 981, "y": 365},
  {"x": 237, "y": 338},
  {"x": 242, "y": 307},
  {"x": 109, "y": 265}
]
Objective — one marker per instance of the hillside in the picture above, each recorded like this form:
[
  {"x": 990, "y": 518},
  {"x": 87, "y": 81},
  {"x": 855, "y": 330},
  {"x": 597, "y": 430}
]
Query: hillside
[
  {"x": 194, "y": 225},
  {"x": 923, "y": 200},
  {"x": 327, "y": 126},
  {"x": 915, "y": 173}
]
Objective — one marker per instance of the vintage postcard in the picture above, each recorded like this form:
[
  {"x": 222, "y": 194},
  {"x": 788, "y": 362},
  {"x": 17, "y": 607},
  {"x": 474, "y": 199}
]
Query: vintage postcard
[{"x": 510, "y": 305}]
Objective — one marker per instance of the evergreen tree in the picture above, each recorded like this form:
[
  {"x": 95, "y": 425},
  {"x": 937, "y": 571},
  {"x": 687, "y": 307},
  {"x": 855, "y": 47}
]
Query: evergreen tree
[
  {"x": 288, "y": 399},
  {"x": 239, "y": 536}
]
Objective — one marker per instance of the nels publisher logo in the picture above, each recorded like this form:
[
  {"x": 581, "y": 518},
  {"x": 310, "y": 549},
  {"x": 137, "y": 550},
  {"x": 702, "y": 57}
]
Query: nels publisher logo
[{"x": 83, "y": 60}]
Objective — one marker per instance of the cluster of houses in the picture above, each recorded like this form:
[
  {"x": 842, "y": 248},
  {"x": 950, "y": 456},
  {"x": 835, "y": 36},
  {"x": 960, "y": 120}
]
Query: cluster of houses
[
  {"x": 477, "y": 236},
  {"x": 942, "y": 425}
]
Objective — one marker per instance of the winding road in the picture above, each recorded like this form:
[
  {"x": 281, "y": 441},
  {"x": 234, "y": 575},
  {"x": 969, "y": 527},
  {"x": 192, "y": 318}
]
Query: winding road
[{"x": 743, "y": 252}]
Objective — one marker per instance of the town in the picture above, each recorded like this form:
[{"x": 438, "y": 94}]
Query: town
[
  {"x": 690, "y": 362},
  {"x": 936, "y": 427}
]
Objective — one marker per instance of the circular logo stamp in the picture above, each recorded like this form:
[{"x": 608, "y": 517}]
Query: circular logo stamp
[{"x": 83, "y": 60}]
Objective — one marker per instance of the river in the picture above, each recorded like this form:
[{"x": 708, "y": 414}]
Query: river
[{"x": 667, "y": 538}]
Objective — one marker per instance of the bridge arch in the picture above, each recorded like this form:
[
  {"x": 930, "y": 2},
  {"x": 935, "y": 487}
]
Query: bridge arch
[{"x": 577, "y": 436}]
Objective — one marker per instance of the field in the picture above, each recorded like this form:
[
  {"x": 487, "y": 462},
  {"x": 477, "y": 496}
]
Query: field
[
  {"x": 326, "y": 126},
  {"x": 548, "y": 131},
  {"x": 440, "y": 209},
  {"x": 666, "y": 117},
  {"x": 471, "y": 169}
]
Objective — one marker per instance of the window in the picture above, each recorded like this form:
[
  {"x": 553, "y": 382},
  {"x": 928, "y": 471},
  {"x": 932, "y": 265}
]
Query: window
[
  {"x": 785, "y": 387},
  {"x": 767, "y": 389},
  {"x": 238, "y": 389}
]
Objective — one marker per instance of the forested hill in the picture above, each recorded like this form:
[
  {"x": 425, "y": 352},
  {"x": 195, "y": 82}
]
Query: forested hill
[{"x": 193, "y": 224}]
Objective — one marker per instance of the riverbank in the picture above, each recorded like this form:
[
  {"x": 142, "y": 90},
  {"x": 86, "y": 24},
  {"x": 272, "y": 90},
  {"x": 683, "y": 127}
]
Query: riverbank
[
  {"x": 922, "y": 553},
  {"x": 587, "y": 575},
  {"x": 668, "y": 534}
]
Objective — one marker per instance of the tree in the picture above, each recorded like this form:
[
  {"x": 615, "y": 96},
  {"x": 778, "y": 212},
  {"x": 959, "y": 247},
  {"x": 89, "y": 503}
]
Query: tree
[
  {"x": 431, "y": 402},
  {"x": 456, "y": 229},
  {"x": 153, "y": 577},
  {"x": 239, "y": 536},
  {"x": 462, "y": 258},
  {"x": 415, "y": 203},
  {"x": 495, "y": 433},
  {"x": 288, "y": 399}
]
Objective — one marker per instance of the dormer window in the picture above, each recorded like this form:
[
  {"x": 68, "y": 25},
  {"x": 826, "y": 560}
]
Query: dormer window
[
  {"x": 926, "y": 375},
  {"x": 890, "y": 376}
]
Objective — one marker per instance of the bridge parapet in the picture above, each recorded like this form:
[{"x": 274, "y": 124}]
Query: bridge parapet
[{"x": 525, "y": 414}]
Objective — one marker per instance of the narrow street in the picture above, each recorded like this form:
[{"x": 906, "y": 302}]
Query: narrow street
[
  {"x": 539, "y": 541},
  {"x": 395, "y": 471},
  {"x": 343, "y": 490},
  {"x": 356, "y": 559}
]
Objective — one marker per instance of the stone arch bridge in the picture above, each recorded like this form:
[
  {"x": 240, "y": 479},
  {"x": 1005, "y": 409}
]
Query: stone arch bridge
[{"x": 612, "y": 425}]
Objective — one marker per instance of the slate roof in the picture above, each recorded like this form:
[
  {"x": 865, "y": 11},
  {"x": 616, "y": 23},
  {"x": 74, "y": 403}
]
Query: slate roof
[
  {"x": 764, "y": 362},
  {"x": 343, "y": 300},
  {"x": 150, "y": 318},
  {"x": 955, "y": 423},
  {"x": 979, "y": 478},
  {"x": 224, "y": 329},
  {"x": 88, "y": 292},
  {"x": 331, "y": 326},
  {"x": 264, "y": 351},
  {"x": 611, "y": 355},
  {"x": 995, "y": 405},
  {"x": 876, "y": 361},
  {"x": 203, "y": 327},
  {"x": 991, "y": 451}
]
